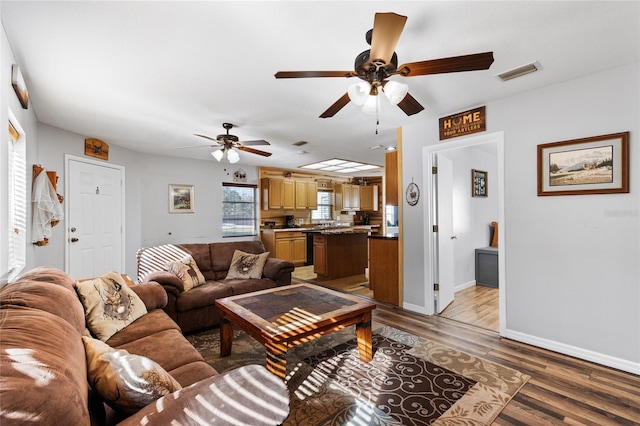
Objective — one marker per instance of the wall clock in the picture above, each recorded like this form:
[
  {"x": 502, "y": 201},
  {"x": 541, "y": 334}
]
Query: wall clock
[{"x": 412, "y": 194}]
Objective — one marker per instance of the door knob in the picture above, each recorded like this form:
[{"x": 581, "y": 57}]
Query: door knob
[
  {"x": 454, "y": 237},
  {"x": 73, "y": 240}
]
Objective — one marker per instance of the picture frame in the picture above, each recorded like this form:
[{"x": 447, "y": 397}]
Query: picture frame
[
  {"x": 19, "y": 86},
  {"x": 181, "y": 198},
  {"x": 479, "y": 187},
  {"x": 593, "y": 165}
]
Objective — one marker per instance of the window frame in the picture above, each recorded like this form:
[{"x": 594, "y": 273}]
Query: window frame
[
  {"x": 254, "y": 203},
  {"x": 314, "y": 216},
  {"x": 16, "y": 198}
]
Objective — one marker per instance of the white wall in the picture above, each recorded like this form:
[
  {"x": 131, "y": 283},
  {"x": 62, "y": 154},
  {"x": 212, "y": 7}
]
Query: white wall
[
  {"x": 27, "y": 119},
  {"x": 572, "y": 270},
  {"x": 160, "y": 227},
  {"x": 147, "y": 179}
]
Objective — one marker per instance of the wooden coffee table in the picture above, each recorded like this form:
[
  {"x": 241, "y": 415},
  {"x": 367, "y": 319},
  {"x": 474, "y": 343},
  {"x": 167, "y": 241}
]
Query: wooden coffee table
[{"x": 283, "y": 317}]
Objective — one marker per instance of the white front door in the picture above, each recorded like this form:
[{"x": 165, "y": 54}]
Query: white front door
[
  {"x": 444, "y": 237},
  {"x": 95, "y": 205}
]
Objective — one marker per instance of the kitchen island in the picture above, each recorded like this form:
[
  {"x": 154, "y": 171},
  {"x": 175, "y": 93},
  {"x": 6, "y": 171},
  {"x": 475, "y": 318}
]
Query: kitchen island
[{"x": 339, "y": 253}]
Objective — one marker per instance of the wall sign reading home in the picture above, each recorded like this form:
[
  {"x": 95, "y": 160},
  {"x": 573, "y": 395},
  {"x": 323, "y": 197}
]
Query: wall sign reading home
[{"x": 463, "y": 123}]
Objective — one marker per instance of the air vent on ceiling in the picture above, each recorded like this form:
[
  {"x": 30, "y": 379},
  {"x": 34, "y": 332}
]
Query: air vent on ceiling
[
  {"x": 519, "y": 72},
  {"x": 300, "y": 143}
]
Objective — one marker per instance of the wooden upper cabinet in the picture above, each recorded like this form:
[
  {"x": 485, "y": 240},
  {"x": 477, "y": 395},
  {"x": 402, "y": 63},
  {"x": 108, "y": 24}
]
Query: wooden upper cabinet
[
  {"x": 312, "y": 195},
  {"x": 306, "y": 195},
  {"x": 288, "y": 195},
  {"x": 283, "y": 194},
  {"x": 347, "y": 197},
  {"x": 369, "y": 198},
  {"x": 272, "y": 193},
  {"x": 391, "y": 178}
]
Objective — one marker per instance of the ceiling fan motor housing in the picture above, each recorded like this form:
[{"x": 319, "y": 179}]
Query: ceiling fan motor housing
[{"x": 374, "y": 71}]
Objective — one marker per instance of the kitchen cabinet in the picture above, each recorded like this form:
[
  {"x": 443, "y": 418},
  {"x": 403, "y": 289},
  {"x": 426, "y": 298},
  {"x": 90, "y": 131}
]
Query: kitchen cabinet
[
  {"x": 338, "y": 255},
  {"x": 347, "y": 197},
  {"x": 369, "y": 198},
  {"x": 277, "y": 194},
  {"x": 384, "y": 273},
  {"x": 286, "y": 245},
  {"x": 306, "y": 195}
]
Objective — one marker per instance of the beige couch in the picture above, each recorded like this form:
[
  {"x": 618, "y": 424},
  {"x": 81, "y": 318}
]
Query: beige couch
[
  {"x": 43, "y": 370},
  {"x": 195, "y": 309}
]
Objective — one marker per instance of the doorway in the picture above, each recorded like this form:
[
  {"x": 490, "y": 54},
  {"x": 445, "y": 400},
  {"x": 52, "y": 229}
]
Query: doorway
[
  {"x": 95, "y": 217},
  {"x": 463, "y": 222}
]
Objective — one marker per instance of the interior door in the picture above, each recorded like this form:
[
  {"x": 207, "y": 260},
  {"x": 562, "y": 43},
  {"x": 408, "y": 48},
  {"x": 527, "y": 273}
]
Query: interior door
[
  {"x": 95, "y": 219},
  {"x": 445, "y": 237}
]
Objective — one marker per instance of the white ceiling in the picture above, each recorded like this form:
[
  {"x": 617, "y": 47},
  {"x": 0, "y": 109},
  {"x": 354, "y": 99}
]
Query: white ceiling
[{"x": 148, "y": 75}]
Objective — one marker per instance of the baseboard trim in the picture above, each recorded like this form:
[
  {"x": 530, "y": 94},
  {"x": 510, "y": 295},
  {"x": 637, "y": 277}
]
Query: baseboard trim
[
  {"x": 574, "y": 351},
  {"x": 462, "y": 286},
  {"x": 415, "y": 308}
]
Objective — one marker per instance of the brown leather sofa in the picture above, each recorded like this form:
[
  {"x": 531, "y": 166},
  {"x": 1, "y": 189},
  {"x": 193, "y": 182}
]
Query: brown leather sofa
[
  {"x": 43, "y": 369},
  {"x": 195, "y": 309}
]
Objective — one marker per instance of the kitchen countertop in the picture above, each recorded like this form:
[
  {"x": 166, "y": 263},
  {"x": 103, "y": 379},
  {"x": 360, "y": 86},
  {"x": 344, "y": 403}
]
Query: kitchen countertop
[
  {"x": 384, "y": 237},
  {"x": 324, "y": 229}
]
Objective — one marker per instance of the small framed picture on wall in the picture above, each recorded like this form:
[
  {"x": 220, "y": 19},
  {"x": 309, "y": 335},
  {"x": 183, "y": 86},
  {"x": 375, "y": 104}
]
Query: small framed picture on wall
[
  {"x": 181, "y": 198},
  {"x": 478, "y": 183}
]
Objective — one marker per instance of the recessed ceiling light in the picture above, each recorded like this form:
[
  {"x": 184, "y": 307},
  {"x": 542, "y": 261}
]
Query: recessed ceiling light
[{"x": 390, "y": 148}]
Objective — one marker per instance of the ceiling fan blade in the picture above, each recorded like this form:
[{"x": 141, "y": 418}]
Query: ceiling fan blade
[
  {"x": 475, "y": 62},
  {"x": 409, "y": 105},
  {"x": 256, "y": 142},
  {"x": 337, "y": 106},
  {"x": 195, "y": 146},
  {"x": 254, "y": 151},
  {"x": 387, "y": 28},
  {"x": 207, "y": 137},
  {"x": 310, "y": 74}
]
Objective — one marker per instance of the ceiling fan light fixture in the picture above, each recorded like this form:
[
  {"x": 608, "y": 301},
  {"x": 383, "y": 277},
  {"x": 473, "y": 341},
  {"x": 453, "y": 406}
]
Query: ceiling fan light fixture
[
  {"x": 233, "y": 156},
  {"x": 395, "y": 91},
  {"x": 372, "y": 105},
  {"x": 359, "y": 92},
  {"x": 218, "y": 154}
]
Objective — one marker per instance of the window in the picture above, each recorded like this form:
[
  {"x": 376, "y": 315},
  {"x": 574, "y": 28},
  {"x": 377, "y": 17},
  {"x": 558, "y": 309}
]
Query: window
[
  {"x": 17, "y": 200},
  {"x": 238, "y": 210},
  {"x": 325, "y": 206}
]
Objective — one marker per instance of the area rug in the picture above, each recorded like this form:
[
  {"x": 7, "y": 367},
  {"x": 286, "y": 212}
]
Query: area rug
[{"x": 410, "y": 381}]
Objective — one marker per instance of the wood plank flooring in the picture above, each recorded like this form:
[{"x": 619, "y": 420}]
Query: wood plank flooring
[
  {"x": 356, "y": 284},
  {"x": 476, "y": 305},
  {"x": 562, "y": 390}
]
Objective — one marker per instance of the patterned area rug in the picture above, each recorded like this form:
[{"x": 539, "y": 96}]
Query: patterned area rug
[{"x": 410, "y": 381}]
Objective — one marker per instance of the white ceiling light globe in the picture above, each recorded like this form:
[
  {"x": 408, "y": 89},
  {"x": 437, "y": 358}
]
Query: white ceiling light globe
[{"x": 359, "y": 92}]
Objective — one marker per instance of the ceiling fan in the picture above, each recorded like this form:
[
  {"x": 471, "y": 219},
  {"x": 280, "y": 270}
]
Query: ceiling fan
[
  {"x": 230, "y": 144},
  {"x": 376, "y": 65}
]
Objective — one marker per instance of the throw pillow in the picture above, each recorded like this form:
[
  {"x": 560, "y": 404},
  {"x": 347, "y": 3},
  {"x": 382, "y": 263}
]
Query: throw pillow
[
  {"x": 187, "y": 270},
  {"x": 109, "y": 304},
  {"x": 127, "y": 382},
  {"x": 247, "y": 265}
]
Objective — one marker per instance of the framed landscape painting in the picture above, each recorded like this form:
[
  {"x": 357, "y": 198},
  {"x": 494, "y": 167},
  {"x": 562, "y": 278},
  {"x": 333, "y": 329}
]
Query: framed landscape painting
[
  {"x": 181, "y": 198},
  {"x": 595, "y": 165}
]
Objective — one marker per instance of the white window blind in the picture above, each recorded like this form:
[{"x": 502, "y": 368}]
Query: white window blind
[
  {"x": 17, "y": 200},
  {"x": 325, "y": 206}
]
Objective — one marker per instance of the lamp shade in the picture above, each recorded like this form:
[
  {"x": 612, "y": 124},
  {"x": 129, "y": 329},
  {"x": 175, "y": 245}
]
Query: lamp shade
[
  {"x": 233, "y": 156},
  {"x": 395, "y": 91},
  {"x": 359, "y": 92},
  {"x": 371, "y": 106},
  {"x": 218, "y": 154}
]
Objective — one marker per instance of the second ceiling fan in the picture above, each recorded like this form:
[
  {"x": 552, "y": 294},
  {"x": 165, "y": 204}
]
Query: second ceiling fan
[
  {"x": 376, "y": 65},
  {"x": 230, "y": 143}
]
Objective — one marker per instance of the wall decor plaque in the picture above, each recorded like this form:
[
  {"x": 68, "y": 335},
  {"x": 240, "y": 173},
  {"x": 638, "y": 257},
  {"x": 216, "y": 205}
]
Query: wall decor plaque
[{"x": 463, "y": 123}]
